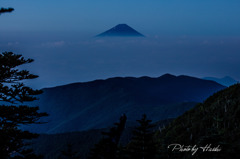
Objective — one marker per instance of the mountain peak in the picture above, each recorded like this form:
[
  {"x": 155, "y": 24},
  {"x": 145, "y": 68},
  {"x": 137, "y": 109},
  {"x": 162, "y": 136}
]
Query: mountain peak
[
  {"x": 121, "y": 30},
  {"x": 122, "y": 25}
]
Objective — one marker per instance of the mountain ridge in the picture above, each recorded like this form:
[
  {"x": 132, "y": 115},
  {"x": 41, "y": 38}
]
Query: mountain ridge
[
  {"x": 226, "y": 81},
  {"x": 95, "y": 104},
  {"x": 166, "y": 75}
]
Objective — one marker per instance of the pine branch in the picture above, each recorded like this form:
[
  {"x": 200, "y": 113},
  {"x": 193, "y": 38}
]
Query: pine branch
[{"x": 6, "y": 10}]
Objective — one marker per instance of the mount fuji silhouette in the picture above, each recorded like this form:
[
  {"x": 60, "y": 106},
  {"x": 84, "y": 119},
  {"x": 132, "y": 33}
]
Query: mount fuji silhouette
[{"x": 121, "y": 30}]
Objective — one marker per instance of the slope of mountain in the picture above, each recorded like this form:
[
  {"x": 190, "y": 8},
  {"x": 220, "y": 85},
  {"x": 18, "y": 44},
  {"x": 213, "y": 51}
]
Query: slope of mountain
[
  {"x": 96, "y": 104},
  {"x": 225, "y": 81},
  {"x": 215, "y": 122},
  {"x": 121, "y": 30}
]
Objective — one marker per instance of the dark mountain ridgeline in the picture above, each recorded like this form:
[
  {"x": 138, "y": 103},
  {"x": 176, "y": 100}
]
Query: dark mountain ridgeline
[{"x": 96, "y": 104}]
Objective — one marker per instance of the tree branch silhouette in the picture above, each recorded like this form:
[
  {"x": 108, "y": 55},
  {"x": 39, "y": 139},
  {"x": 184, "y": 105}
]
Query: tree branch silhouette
[{"x": 6, "y": 10}]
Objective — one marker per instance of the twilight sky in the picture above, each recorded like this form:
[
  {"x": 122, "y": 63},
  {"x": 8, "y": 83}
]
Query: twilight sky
[{"x": 191, "y": 37}]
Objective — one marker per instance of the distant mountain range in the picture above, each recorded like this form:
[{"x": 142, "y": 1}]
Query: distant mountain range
[
  {"x": 121, "y": 30},
  {"x": 226, "y": 81},
  {"x": 99, "y": 103}
]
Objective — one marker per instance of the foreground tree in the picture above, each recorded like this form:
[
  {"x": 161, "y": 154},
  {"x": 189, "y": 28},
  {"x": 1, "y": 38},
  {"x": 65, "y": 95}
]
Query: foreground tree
[
  {"x": 142, "y": 145},
  {"x": 13, "y": 109},
  {"x": 107, "y": 148},
  {"x": 69, "y": 153}
]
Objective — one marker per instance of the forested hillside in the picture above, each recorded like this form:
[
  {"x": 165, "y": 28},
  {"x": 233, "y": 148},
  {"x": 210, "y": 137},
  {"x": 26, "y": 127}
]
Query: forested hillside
[{"x": 215, "y": 122}]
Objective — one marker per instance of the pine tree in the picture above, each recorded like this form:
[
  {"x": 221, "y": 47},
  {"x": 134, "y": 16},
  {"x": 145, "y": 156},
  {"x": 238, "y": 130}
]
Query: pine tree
[
  {"x": 142, "y": 145},
  {"x": 16, "y": 113},
  {"x": 69, "y": 153},
  {"x": 107, "y": 148}
]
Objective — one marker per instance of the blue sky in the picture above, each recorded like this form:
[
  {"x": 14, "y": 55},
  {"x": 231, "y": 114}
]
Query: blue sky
[
  {"x": 205, "y": 17},
  {"x": 192, "y": 37}
]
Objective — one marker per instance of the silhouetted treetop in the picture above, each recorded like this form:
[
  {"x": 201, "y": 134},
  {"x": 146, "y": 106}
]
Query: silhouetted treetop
[
  {"x": 6, "y": 10},
  {"x": 10, "y": 74},
  {"x": 13, "y": 91}
]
